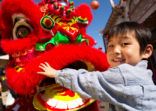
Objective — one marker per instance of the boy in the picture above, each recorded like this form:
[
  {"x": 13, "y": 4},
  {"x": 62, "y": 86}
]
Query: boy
[{"x": 127, "y": 84}]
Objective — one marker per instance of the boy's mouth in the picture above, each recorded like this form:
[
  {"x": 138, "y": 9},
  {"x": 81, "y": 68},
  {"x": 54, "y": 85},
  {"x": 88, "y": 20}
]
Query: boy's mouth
[{"x": 118, "y": 60}]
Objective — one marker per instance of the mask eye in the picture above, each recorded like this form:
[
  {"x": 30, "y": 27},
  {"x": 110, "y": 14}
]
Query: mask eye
[
  {"x": 22, "y": 31},
  {"x": 47, "y": 22},
  {"x": 21, "y": 28}
]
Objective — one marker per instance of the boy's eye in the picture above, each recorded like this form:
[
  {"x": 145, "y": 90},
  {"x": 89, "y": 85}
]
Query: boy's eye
[
  {"x": 110, "y": 45},
  {"x": 124, "y": 44}
]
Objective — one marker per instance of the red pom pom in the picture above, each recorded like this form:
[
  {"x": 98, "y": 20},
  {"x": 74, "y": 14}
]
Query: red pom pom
[{"x": 94, "y": 4}]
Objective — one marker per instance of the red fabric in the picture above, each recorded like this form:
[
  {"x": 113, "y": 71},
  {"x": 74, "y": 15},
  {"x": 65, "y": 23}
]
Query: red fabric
[{"x": 59, "y": 58}]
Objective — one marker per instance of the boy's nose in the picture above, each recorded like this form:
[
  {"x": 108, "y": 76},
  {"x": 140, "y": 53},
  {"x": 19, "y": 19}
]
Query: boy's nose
[{"x": 117, "y": 50}]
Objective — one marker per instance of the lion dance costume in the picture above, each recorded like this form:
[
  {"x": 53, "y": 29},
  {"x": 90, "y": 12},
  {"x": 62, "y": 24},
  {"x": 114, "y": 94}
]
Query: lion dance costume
[{"x": 53, "y": 31}]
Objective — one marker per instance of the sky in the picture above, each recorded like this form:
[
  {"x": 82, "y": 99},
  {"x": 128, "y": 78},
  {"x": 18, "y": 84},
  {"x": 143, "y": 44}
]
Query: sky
[{"x": 100, "y": 18}]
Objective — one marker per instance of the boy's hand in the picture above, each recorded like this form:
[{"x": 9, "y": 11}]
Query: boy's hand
[{"x": 47, "y": 70}]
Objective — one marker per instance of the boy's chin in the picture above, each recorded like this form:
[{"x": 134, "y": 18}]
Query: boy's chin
[{"x": 115, "y": 64}]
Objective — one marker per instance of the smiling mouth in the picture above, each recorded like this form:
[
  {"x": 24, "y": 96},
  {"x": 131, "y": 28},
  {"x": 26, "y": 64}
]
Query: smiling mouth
[{"x": 118, "y": 60}]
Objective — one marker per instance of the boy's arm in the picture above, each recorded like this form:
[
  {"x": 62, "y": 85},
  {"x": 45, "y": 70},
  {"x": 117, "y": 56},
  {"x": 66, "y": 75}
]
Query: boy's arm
[{"x": 97, "y": 85}]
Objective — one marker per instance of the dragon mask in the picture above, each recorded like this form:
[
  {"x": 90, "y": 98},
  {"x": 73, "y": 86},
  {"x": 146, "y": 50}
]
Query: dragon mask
[{"x": 53, "y": 31}]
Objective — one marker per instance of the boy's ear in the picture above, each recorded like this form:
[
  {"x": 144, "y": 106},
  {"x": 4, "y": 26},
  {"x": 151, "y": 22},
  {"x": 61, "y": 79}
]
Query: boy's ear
[{"x": 148, "y": 51}]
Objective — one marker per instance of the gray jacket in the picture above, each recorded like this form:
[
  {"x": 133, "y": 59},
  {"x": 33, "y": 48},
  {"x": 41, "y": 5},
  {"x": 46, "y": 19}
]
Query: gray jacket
[{"x": 126, "y": 86}]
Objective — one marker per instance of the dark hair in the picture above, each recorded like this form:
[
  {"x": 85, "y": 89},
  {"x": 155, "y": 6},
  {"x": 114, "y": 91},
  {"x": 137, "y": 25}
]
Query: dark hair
[{"x": 142, "y": 34}]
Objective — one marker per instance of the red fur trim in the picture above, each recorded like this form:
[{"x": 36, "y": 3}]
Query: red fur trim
[
  {"x": 12, "y": 46},
  {"x": 24, "y": 82},
  {"x": 62, "y": 55}
]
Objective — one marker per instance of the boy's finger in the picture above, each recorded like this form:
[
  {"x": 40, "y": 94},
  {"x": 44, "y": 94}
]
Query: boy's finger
[
  {"x": 42, "y": 73},
  {"x": 43, "y": 68},
  {"x": 43, "y": 65},
  {"x": 47, "y": 64}
]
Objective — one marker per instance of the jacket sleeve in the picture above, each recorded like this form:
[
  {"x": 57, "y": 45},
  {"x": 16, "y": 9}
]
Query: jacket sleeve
[{"x": 97, "y": 85}]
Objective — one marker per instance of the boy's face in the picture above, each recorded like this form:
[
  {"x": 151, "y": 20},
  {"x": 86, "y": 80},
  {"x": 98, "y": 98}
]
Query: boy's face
[{"x": 123, "y": 49}]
